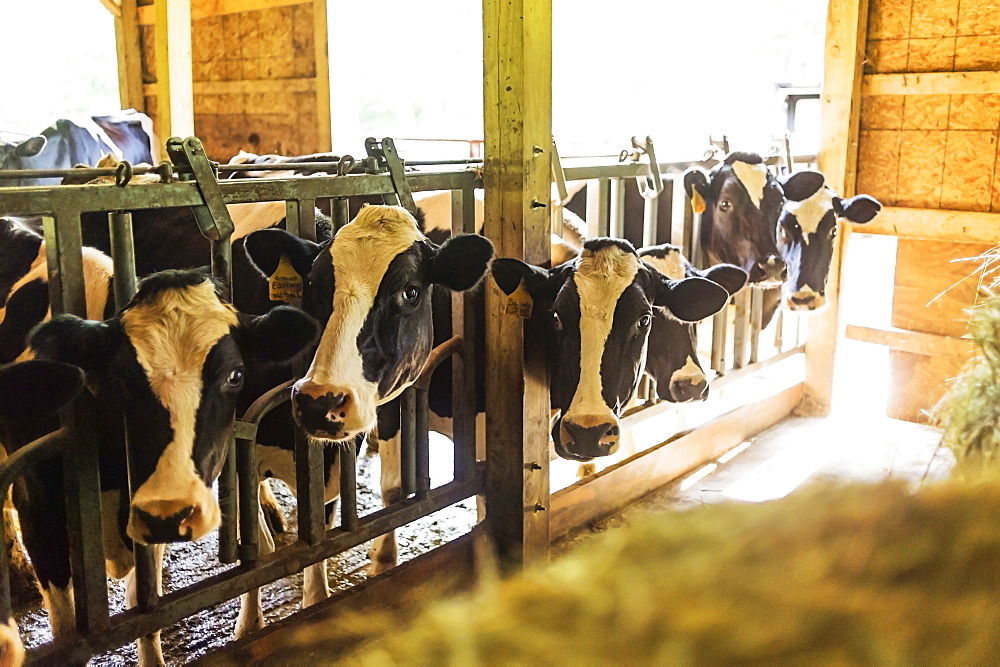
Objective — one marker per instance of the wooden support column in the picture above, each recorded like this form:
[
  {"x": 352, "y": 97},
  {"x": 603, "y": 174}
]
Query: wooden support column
[
  {"x": 129, "y": 56},
  {"x": 322, "y": 38},
  {"x": 175, "y": 103},
  {"x": 847, "y": 26},
  {"x": 517, "y": 99}
]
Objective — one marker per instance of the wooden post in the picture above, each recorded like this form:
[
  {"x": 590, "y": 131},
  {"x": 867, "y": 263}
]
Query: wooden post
[
  {"x": 321, "y": 37},
  {"x": 175, "y": 104},
  {"x": 847, "y": 26},
  {"x": 129, "y": 57},
  {"x": 517, "y": 100}
]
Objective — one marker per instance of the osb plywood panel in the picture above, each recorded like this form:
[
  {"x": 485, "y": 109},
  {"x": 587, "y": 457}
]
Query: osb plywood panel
[
  {"x": 974, "y": 112},
  {"x": 878, "y": 164},
  {"x": 932, "y": 290},
  {"x": 977, "y": 52},
  {"x": 886, "y": 55},
  {"x": 888, "y": 19},
  {"x": 921, "y": 162},
  {"x": 968, "y": 170},
  {"x": 933, "y": 18},
  {"x": 978, "y": 17},
  {"x": 931, "y": 55},
  {"x": 882, "y": 112},
  {"x": 925, "y": 112},
  {"x": 918, "y": 382}
]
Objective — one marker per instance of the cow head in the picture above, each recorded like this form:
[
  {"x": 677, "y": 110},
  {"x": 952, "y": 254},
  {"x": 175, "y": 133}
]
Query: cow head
[
  {"x": 173, "y": 363},
  {"x": 19, "y": 155},
  {"x": 740, "y": 202},
  {"x": 806, "y": 231},
  {"x": 672, "y": 359},
  {"x": 600, "y": 307},
  {"x": 371, "y": 286}
]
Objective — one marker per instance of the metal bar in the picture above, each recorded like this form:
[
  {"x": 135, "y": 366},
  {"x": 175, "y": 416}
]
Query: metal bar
[
  {"x": 309, "y": 481},
  {"x": 756, "y": 321},
  {"x": 236, "y": 581},
  {"x": 292, "y": 208},
  {"x": 341, "y": 213},
  {"x": 617, "y": 227},
  {"x": 422, "y": 454},
  {"x": 307, "y": 219},
  {"x": 719, "y": 321},
  {"x": 228, "y": 507},
  {"x": 398, "y": 174},
  {"x": 123, "y": 256},
  {"x": 408, "y": 441},
  {"x": 740, "y": 328},
  {"x": 348, "y": 487},
  {"x": 650, "y": 210},
  {"x": 63, "y": 243},
  {"x": 598, "y": 194},
  {"x": 681, "y": 216},
  {"x": 249, "y": 501},
  {"x": 463, "y": 364}
]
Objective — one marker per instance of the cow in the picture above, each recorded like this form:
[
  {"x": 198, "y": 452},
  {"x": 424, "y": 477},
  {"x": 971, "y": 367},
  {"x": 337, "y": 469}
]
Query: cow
[
  {"x": 65, "y": 143},
  {"x": 598, "y": 310},
  {"x": 672, "y": 359},
  {"x": 164, "y": 375},
  {"x": 806, "y": 231},
  {"x": 739, "y": 202}
]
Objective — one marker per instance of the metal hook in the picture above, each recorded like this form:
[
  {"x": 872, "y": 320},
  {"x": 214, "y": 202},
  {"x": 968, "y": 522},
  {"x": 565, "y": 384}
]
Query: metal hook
[
  {"x": 345, "y": 165},
  {"x": 123, "y": 173},
  {"x": 646, "y": 189}
]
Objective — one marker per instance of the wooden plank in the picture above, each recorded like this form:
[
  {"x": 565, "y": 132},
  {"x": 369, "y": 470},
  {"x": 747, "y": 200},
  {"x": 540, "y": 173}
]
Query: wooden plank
[
  {"x": 936, "y": 225},
  {"x": 916, "y": 342},
  {"x": 918, "y": 382},
  {"x": 847, "y": 25},
  {"x": 114, "y": 7},
  {"x": 932, "y": 83},
  {"x": 204, "y": 8},
  {"x": 175, "y": 104},
  {"x": 517, "y": 110},
  {"x": 322, "y": 81},
  {"x": 130, "y": 90},
  {"x": 246, "y": 86},
  {"x": 626, "y": 482}
]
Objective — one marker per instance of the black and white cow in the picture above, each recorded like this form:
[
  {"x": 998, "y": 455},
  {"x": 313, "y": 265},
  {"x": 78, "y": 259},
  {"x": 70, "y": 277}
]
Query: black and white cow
[
  {"x": 164, "y": 375},
  {"x": 599, "y": 308},
  {"x": 672, "y": 359},
  {"x": 66, "y": 143},
  {"x": 739, "y": 202},
  {"x": 806, "y": 231}
]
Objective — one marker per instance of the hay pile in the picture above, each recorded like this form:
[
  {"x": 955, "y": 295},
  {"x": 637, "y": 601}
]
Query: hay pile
[{"x": 859, "y": 574}]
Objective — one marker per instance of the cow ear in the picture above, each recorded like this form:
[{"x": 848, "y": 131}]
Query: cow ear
[
  {"x": 277, "y": 336},
  {"x": 508, "y": 274},
  {"x": 30, "y": 147},
  {"x": 696, "y": 186},
  {"x": 691, "y": 299},
  {"x": 732, "y": 278},
  {"x": 859, "y": 209},
  {"x": 72, "y": 340},
  {"x": 461, "y": 262},
  {"x": 36, "y": 389},
  {"x": 265, "y": 248},
  {"x": 802, "y": 185}
]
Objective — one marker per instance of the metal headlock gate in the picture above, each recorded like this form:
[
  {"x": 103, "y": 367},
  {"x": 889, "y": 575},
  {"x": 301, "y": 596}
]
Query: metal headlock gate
[{"x": 193, "y": 181}]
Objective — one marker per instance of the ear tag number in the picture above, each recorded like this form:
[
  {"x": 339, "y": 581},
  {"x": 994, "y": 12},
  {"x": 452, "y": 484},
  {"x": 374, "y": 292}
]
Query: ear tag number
[
  {"x": 697, "y": 201},
  {"x": 285, "y": 284},
  {"x": 519, "y": 302}
]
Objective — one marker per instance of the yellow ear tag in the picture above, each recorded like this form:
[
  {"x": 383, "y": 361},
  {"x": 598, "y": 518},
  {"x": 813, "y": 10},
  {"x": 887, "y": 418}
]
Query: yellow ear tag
[
  {"x": 519, "y": 302},
  {"x": 697, "y": 201},
  {"x": 285, "y": 284}
]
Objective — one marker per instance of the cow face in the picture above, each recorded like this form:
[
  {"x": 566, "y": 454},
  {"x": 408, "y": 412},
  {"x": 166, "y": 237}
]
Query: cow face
[
  {"x": 740, "y": 202},
  {"x": 18, "y": 155},
  {"x": 172, "y": 364},
  {"x": 599, "y": 308},
  {"x": 672, "y": 359},
  {"x": 371, "y": 286},
  {"x": 806, "y": 231}
]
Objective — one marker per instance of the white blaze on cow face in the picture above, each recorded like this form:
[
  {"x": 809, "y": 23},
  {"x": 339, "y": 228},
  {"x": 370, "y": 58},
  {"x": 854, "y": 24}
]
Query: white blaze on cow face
[
  {"x": 671, "y": 265},
  {"x": 601, "y": 278},
  {"x": 361, "y": 253},
  {"x": 753, "y": 177},
  {"x": 689, "y": 372},
  {"x": 810, "y": 212},
  {"x": 172, "y": 336}
]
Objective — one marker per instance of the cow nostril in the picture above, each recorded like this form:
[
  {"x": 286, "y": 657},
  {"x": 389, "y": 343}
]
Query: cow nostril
[{"x": 338, "y": 401}]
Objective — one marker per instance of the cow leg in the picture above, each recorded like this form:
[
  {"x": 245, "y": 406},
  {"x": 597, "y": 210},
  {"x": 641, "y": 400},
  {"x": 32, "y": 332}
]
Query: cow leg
[
  {"x": 148, "y": 646},
  {"x": 11, "y": 646},
  {"x": 315, "y": 586},
  {"x": 251, "y": 615},
  {"x": 276, "y": 521},
  {"x": 21, "y": 574},
  {"x": 59, "y": 603},
  {"x": 384, "y": 551}
]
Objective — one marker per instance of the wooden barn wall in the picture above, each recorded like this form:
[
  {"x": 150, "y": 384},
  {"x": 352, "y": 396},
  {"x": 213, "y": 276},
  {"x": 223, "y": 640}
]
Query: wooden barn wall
[
  {"x": 930, "y": 143},
  {"x": 259, "y": 74}
]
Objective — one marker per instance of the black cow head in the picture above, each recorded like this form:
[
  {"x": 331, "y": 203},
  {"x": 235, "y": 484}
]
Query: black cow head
[
  {"x": 371, "y": 286},
  {"x": 19, "y": 249},
  {"x": 740, "y": 202},
  {"x": 599, "y": 308},
  {"x": 672, "y": 359},
  {"x": 31, "y": 393},
  {"x": 806, "y": 231},
  {"x": 172, "y": 363}
]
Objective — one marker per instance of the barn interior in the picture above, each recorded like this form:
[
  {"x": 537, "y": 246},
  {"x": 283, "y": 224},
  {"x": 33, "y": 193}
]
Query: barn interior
[{"x": 898, "y": 100}]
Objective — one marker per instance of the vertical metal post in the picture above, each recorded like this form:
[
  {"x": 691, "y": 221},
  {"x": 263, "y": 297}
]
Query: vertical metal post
[
  {"x": 463, "y": 364},
  {"x": 63, "y": 242},
  {"x": 681, "y": 216},
  {"x": 719, "y": 321},
  {"x": 309, "y": 482},
  {"x": 348, "y": 486},
  {"x": 650, "y": 211},
  {"x": 617, "y": 229},
  {"x": 408, "y": 441},
  {"x": 422, "y": 457},
  {"x": 740, "y": 327},
  {"x": 756, "y": 320},
  {"x": 249, "y": 505},
  {"x": 341, "y": 213},
  {"x": 123, "y": 256},
  {"x": 598, "y": 194}
]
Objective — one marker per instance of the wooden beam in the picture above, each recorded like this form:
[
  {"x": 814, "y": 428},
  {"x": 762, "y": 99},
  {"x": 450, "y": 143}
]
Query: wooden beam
[
  {"x": 130, "y": 90},
  {"x": 517, "y": 107},
  {"x": 935, "y": 225},
  {"x": 613, "y": 488},
  {"x": 916, "y": 342},
  {"x": 847, "y": 26},
  {"x": 114, "y": 7},
  {"x": 203, "y": 9},
  {"x": 322, "y": 82},
  {"x": 932, "y": 83},
  {"x": 175, "y": 106}
]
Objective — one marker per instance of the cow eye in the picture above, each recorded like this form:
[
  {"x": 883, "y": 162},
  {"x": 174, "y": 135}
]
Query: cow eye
[
  {"x": 411, "y": 293},
  {"x": 833, "y": 232},
  {"x": 235, "y": 378},
  {"x": 644, "y": 321},
  {"x": 556, "y": 322},
  {"x": 725, "y": 204}
]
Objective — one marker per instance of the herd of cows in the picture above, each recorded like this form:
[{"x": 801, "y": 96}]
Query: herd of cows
[{"x": 169, "y": 372}]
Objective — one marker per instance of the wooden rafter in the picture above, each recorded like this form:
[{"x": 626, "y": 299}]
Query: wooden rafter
[{"x": 114, "y": 7}]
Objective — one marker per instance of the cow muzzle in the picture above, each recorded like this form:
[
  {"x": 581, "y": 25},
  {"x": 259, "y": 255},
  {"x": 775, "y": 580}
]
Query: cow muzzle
[
  {"x": 327, "y": 412},
  {"x": 161, "y": 521},
  {"x": 805, "y": 299},
  {"x": 769, "y": 272},
  {"x": 684, "y": 390},
  {"x": 586, "y": 437}
]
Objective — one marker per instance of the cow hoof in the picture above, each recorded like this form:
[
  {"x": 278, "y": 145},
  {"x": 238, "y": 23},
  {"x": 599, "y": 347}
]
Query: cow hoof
[
  {"x": 245, "y": 626},
  {"x": 377, "y": 567},
  {"x": 11, "y": 646},
  {"x": 310, "y": 599}
]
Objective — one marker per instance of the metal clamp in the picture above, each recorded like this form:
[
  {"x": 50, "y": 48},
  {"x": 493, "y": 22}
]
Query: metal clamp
[
  {"x": 559, "y": 176},
  {"x": 388, "y": 158},
  {"x": 213, "y": 217},
  {"x": 650, "y": 184}
]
